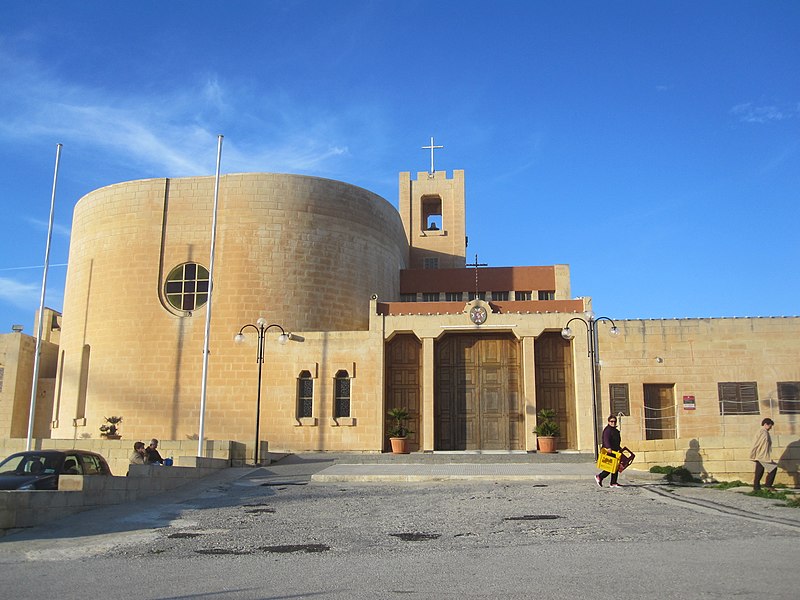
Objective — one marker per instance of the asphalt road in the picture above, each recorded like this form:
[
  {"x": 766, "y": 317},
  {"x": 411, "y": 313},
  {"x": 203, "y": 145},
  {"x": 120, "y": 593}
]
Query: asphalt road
[{"x": 274, "y": 533}]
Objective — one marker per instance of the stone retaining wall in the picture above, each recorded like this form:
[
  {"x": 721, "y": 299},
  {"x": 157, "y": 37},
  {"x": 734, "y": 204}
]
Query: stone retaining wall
[
  {"x": 118, "y": 452},
  {"x": 723, "y": 459},
  {"x": 77, "y": 493}
]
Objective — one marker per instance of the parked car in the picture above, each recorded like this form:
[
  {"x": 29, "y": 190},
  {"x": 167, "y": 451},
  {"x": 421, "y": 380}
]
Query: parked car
[{"x": 40, "y": 469}]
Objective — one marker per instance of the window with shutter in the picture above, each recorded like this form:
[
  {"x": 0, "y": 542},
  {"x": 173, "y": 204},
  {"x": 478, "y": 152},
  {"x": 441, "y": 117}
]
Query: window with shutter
[
  {"x": 620, "y": 400},
  {"x": 738, "y": 398},
  {"x": 789, "y": 397}
]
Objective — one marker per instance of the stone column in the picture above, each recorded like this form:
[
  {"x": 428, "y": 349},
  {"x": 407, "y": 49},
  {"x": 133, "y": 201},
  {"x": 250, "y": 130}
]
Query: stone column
[
  {"x": 529, "y": 390},
  {"x": 428, "y": 366}
]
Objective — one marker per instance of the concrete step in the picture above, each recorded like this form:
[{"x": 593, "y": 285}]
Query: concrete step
[{"x": 466, "y": 457}]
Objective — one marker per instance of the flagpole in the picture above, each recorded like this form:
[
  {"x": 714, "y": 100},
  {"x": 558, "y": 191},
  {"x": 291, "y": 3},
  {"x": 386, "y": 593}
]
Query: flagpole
[
  {"x": 203, "y": 389},
  {"x": 40, "y": 326}
]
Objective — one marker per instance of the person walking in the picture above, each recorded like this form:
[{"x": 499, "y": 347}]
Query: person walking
[
  {"x": 612, "y": 440},
  {"x": 761, "y": 455}
]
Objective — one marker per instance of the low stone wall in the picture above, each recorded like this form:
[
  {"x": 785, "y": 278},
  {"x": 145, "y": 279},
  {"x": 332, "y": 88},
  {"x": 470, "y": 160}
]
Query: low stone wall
[
  {"x": 77, "y": 493},
  {"x": 723, "y": 459},
  {"x": 118, "y": 452}
]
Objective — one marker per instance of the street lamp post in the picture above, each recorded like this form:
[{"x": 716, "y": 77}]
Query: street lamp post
[
  {"x": 594, "y": 358},
  {"x": 261, "y": 328}
]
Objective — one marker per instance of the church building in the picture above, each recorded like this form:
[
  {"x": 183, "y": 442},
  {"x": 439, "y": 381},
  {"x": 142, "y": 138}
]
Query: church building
[{"x": 377, "y": 308}]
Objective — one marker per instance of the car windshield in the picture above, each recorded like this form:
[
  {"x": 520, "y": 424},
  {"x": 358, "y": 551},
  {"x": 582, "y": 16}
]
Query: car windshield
[{"x": 29, "y": 464}]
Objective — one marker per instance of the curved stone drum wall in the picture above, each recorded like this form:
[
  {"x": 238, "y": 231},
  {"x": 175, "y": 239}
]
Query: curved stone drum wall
[{"x": 304, "y": 252}]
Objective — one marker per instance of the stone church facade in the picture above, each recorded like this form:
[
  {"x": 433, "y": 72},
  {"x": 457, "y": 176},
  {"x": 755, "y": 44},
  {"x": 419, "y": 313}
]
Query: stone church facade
[{"x": 390, "y": 313}]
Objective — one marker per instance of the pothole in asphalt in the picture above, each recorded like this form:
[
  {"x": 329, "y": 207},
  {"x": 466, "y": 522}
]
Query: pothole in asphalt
[
  {"x": 416, "y": 537},
  {"x": 286, "y": 548},
  {"x": 220, "y": 551},
  {"x": 532, "y": 518},
  {"x": 183, "y": 535}
]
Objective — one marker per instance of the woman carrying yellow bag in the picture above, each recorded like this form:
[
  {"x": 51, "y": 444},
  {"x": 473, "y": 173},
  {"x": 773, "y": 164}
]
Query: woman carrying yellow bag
[{"x": 612, "y": 440}]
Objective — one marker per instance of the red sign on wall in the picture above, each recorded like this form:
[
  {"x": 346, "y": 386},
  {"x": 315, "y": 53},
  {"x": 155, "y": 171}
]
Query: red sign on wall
[{"x": 688, "y": 403}]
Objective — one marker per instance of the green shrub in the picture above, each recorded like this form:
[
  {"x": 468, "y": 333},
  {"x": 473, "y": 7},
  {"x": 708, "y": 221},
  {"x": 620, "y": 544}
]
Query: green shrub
[
  {"x": 675, "y": 474},
  {"x": 764, "y": 493},
  {"x": 546, "y": 425},
  {"x": 793, "y": 502},
  {"x": 726, "y": 485}
]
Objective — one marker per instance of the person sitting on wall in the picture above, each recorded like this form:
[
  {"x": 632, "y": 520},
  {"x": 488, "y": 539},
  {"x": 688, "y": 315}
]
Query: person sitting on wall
[
  {"x": 152, "y": 455},
  {"x": 138, "y": 456}
]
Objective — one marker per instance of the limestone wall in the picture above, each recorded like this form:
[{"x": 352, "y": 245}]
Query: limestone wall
[
  {"x": 17, "y": 352},
  {"x": 719, "y": 458},
  {"x": 19, "y": 510},
  {"x": 117, "y": 452},
  {"x": 303, "y": 252},
  {"x": 693, "y": 356}
]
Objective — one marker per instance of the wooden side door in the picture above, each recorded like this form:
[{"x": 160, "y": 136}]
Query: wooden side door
[
  {"x": 403, "y": 383},
  {"x": 553, "y": 388}
]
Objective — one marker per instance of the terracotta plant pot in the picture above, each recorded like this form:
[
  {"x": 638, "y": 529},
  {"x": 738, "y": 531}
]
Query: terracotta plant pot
[
  {"x": 547, "y": 444},
  {"x": 399, "y": 445}
]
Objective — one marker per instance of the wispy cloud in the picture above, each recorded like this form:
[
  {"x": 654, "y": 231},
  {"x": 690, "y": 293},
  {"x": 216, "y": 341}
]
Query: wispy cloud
[
  {"x": 172, "y": 132},
  {"x": 751, "y": 113},
  {"x": 21, "y": 295},
  {"x": 42, "y": 226}
]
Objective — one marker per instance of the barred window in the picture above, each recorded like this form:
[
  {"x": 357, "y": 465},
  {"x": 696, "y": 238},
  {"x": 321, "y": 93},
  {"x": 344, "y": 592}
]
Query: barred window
[
  {"x": 480, "y": 296},
  {"x": 738, "y": 398},
  {"x": 305, "y": 395},
  {"x": 341, "y": 395},
  {"x": 522, "y": 296},
  {"x": 1, "y": 378},
  {"x": 547, "y": 295},
  {"x": 620, "y": 399},
  {"x": 408, "y": 297},
  {"x": 788, "y": 397},
  {"x": 430, "y": 296},
  {"x": 187, "y": 286},
  {"x": 454, "y": 296},
  {"x": 500, "y": 296},
  {"x": 430, "y": 263}
]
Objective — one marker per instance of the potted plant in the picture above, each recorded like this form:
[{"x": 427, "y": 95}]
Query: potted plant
[
  {"x": 546, "y": 430},
  {"x": 109, "y": 430},
  {"x": 398, "y": 431}
]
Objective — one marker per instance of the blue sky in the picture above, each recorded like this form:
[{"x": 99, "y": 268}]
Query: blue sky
[{"x": 652, "y": 146}]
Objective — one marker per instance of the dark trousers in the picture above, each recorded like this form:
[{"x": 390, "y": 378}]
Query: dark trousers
[
  {"x": 615, "y": 475},
  {"x": 760, "y": 473}
]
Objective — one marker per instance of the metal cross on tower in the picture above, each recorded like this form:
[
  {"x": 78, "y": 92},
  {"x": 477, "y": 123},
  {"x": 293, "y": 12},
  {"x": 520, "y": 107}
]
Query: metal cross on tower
[
  {"x": 432, "y": 147},
  {"x": 476, "y": 264}
]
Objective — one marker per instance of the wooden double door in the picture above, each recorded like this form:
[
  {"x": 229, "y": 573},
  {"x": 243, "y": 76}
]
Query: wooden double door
[{"x": 477, "y": 393}]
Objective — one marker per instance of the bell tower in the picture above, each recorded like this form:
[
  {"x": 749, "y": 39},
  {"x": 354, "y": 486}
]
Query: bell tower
[{"x": 433, "y": 211}]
